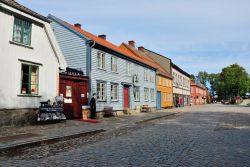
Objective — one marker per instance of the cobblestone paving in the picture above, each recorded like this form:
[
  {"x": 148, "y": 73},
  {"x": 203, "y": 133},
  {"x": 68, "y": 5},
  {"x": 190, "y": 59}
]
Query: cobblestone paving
[{"x": 211, "y": 135}]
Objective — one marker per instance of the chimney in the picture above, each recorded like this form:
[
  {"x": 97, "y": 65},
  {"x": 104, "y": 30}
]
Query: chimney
[
  {"x": 131, "y": 43},
  {"x": 103, "y": 36},
  {"x": 78, "y": 25},
  {"x": 141, "y": 48}
]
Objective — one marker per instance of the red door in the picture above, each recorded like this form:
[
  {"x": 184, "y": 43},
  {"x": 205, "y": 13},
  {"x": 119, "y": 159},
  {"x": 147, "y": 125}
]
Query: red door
[
  {"x": 74, "y": 90},
  {"x": 126, "y": 97}
]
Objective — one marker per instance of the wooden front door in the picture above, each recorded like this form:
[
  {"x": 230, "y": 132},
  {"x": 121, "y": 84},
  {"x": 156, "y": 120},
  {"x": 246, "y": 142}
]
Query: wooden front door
[
  {"x": 74, "y": 90},
  {"x": 158, "y": 101},
  {"x": 126, "y": 97}
]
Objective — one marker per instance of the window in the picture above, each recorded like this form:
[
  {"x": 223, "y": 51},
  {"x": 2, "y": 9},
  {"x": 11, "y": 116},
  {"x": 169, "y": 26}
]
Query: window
[
  {"x": 152, "y": 94},
  {"x": 137, "y": 93},
  {"x": 129, "y": 71},
  {"x": 114, "y": 92},
  {"x": 145, "y": 74},
  {"x": 101, "y": 91},
  {"x": 101, "y": 60},
  {"x": 29, "y": 80},
  {"x": 114, "y": 64},
  {"x": 22, "y": 31},
  {"x": 160, "y": 81},
  {"x": 146, "y": 94},
  {"x": 152, "y": 79}
]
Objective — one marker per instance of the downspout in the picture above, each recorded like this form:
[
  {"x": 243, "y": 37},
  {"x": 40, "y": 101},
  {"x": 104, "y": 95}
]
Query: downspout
[{"x": 89, "y": 67}]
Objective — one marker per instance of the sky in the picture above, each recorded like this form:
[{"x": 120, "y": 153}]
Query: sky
[{"x": 198, "y": 35}]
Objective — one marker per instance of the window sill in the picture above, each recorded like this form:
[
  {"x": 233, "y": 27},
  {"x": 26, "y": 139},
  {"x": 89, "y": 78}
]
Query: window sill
[
  {"x": 20, "y": 44},
  {"x": 102, "y": 101},
  {"x": 114, "y": 101},
  {"x": 137, "y": 100},
  {"x": 103, "y": 69},
  {"x": 23, "y": 95},
  {"x": 115, "y": 72}
]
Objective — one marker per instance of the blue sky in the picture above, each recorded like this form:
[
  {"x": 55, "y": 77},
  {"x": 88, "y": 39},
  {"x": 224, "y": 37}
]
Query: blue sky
[{"x": 197, "y": 35}]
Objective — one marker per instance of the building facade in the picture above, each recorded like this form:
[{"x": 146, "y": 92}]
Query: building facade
[
  {"x": 120, "y": 79},
  {"x": 199, "y": 94},
  {"x": 163, "y": 78},
  {"x": 30, "y": 63},
  {"x": 181, "y": 86}
]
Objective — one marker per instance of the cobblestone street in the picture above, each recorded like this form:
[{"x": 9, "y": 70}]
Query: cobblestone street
[{"x": 209, "y": 135}]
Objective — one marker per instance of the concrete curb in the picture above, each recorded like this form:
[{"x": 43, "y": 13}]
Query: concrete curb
[
  {"x": 14, "y": 148},
  {"x": 155, "y": 118}
]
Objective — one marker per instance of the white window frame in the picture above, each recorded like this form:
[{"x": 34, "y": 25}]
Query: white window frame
[
  {"x": 114, "y": 91},
  {"x": 114, "y": 64},
  {"x": 129, "y": 68},
  {"x": 146, "y": 94},
  {"x": 101, "y": 90},
  {"x": 152, "y": 94},
  {"x": 137, "y": 93},
  {"x": 101, "y": 64}
]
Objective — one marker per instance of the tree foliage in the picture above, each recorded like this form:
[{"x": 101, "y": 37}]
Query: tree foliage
[{"x": 202, "y": 77}]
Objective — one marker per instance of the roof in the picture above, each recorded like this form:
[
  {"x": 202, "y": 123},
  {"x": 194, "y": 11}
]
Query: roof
[
  {"x": 163, "y": 61},
  {"x": 198, "y": 84},
  {"x": 103, "y": 42},
  {"x": 145, "y": 57},
  {"x": 24, "y": 9},
  {"x": 180, "y": 70}
]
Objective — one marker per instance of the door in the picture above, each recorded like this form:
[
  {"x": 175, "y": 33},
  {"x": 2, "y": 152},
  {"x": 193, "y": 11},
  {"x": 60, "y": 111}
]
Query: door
[
  {"x": 158, "y": 101},
  {"x": 126, "y": 97},
  {"x": 74, "y": 92}
]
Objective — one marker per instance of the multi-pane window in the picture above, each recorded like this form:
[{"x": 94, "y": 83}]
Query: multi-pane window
[
  {"x": 129, "y": 68},
  {"x": 29, "y": 80},
  {"x": 101, "y": 91},
  {"x": 152, "y": 94},
  {"x": 152, "y": 79},
  {"x": 146, "y": 94},
  {"x": 145, "y": 74},
  {"x": 101, "y": 60},
  {"x": 113, "y": 64},
  {"x": 137, "y": 93},
  {"x": 114, "y": 92},
  {"x": 22, "y": 31}
]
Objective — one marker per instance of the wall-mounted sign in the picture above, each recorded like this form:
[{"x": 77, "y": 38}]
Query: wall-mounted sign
[{"x": 68, "y": 91}]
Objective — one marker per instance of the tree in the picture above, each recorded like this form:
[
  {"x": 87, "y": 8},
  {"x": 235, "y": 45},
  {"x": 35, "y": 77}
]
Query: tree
[
  {"x": 202, "y": 77},
  {"x": 213, "y": 79},
  {"x": 192, "y": 77},
  {"x": 233, "y": 81}
]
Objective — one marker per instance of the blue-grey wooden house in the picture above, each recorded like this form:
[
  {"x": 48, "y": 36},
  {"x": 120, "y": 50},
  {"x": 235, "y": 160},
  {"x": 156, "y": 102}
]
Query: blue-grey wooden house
[{"x": 120, "y": 79}]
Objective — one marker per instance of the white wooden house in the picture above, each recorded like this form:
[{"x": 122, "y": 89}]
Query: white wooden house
[{"x": 30, "y": 60}]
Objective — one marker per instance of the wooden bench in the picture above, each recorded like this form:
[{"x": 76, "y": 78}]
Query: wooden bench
[
  {"x": 145, "y": 108},
  {"x": 109, "y": 112}
]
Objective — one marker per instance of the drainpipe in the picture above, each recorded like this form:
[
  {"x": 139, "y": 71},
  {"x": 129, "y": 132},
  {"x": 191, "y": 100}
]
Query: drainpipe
[{"x": 89, "y": 68}]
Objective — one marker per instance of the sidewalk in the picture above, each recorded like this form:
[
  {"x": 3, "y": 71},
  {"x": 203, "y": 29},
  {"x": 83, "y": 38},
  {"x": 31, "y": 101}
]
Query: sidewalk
[{"x": 18, "y": 137}]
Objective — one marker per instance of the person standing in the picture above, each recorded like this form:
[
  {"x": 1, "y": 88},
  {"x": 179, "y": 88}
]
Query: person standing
[{"x": 93, "y": 107}]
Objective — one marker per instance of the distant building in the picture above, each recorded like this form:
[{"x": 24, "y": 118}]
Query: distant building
[
  {"x": 199, "y": 94},
  {"x": 181, "y": 86}
]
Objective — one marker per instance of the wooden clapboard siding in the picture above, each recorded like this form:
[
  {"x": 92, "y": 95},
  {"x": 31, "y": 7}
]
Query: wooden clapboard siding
[{"x": 73, "y": 47}]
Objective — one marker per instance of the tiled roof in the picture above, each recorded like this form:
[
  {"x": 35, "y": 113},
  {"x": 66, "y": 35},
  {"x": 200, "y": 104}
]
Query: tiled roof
[
  {"x": 145, "y": 57},
  {"x": 24, "y": 9},
  {"x": 109, "y": 45},
  {"x": 193, "y": 83},
  {"x": 163, "y": 61}
]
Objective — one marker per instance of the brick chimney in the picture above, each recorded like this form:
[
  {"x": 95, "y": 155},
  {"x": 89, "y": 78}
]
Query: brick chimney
[
  {"x": 103, "y": 36},
  {"x": 78, "y": 25},
  {"x": 131, "y": 43},
  {"x": 141, "y": 48}
]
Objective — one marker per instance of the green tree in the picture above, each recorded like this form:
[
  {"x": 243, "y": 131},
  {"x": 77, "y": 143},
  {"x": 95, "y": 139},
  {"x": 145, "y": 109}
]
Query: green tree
[
  {"x": 202, "y": 77},
  {"x": 233, "y": 81},
  {"x": 213, "y": 79},
  {"x": 192, "y": 77}
]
